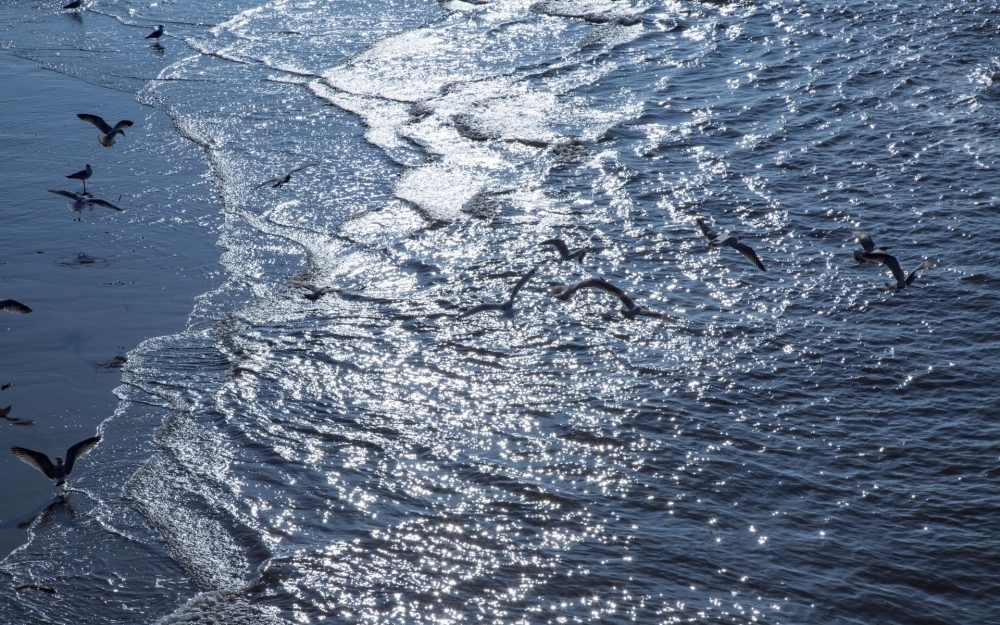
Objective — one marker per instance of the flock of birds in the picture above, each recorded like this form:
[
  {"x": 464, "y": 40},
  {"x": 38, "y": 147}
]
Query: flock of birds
[{"x": 76, "y": 5}]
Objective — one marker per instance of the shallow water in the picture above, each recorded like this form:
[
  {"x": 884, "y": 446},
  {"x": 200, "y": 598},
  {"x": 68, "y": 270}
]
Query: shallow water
[{"x": 789, "y": 446}]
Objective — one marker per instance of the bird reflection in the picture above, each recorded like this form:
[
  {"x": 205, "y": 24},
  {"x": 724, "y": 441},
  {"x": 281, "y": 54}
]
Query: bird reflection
[
  {"x": 82, "y": 200},
  {"x": 5, "y": 414}
]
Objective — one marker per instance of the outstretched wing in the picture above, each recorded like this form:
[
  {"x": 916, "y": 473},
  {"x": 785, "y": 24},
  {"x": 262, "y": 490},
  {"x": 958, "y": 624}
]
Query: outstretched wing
[
  {"x": 864, "y": 239},
  {"x": 706, "y": 229},
  {"x": 78, "y": 450},
  {"x": 71, "y": 195},
  {"x": 97, "y": 121},
  {"x": 890, "y": 262},
  {"x": 275, "y": 179},
  {"x": 559, "y": 245},
  {"x": 5, "y": 411},
  {"x": 121, "y": 126},
  {"x": 301, "y": 167},
  {"x": 520, "y": 284},
  {"x": 747, "y": 251},
  {"x": 102, "y": 203},
  {"x": 603, "y": 285},
  {"x": 36, "y": 459},
  {"x": 479, "y": 309},
  {"x": 301, "y": 283},
  {"x": 14, "y": 306},
  {"x": 929, "y": 262}
]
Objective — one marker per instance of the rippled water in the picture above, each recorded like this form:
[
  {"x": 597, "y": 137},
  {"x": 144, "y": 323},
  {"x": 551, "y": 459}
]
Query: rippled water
[{"x": 790, "y": 446}]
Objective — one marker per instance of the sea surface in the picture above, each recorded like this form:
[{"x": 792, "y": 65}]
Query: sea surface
[{"x": 800, "y": 445}]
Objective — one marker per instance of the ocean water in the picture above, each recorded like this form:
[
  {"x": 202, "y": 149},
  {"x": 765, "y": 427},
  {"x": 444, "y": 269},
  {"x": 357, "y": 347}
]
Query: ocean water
[{"x": 799, "y": 445}]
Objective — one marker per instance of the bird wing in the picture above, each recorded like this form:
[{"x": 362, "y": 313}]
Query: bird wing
[
  {"x": 706, "y": 229},
  {"x": 559, "y": 245},
  {"x": 301, "y": 283},
  {"x": 121, "y": 126},
  {"x": 301, "y": 167},
  {"x": 889, "y": 261},
  {"x": 78, "y": 450},
  {"x": 71, "y": 195},
  {"x": 929, "y": 262},
  {"x": 5, "y": 411},
  {"x": 746, "y": 250},
  {"x": 479, "y": 309},
  {"x": 103, "y": 203},
  {"x": 603, "y": 285},
  {"x": 520, "y": 284},
  {"x": 14, "y": 306},
  {"x": 864, "y": 239},
  {"x": 36, "y": 459},
  {"x": 97, "y": 121},
  {"x": 275, "y": 179}
]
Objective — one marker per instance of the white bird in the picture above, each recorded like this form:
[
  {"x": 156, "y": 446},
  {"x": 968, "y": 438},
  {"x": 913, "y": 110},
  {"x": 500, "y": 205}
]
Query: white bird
[
  {"x": 564, "y": 252},
  {"x": 506, "y": 308},
  {"x": 902, "y": 279},
  {"x": 80, "y": 200},
  {"x": 14, "y": 306},
  {"x": 157, "y": 33},
  {"x": 107, "y": 138},
  {"x": 284, "y": 178},
  {"x": 316, "y": 291},
  {"x": 631, "y": 310},
  {"x": 714, "y": 240},
  {"x": 83, "y": 175},
  {"x": 58, "y": 471},
  {"x": 868, "y": 245}
]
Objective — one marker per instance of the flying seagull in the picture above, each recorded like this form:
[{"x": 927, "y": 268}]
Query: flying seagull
[
  {"x": 564, "y": 251},
  {"x": 83, "y": 199},
  {"x": 902, "y": 279},
  {"x": 506, "y": 308},
  {"x": 714, "y": 240},
  {"x": 157, "y": 33},
  {"x": 107, "y": 139},
  {"x": 284, "y": 178},
  {"x": 866, "y": 242},
  {"x": 316, "y": 292},
  {"x": 83, "y": 174},
  {"x": 14, "y": 306},
  {"x": 631, "y": 310},
  {"x": 75, "y": 4},
  {"x": 58, "y": 471}
]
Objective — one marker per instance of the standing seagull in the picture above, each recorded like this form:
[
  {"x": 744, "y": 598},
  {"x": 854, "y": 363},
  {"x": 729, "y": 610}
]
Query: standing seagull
[
  {"x": 14, "y": 306},
  {"x": 866, "y": 242},
  {"x": 714, "y": 240},
  {"x": 58, "y": 471},
  {"x": 80, "y": 200},
  {"x": 83, "y": 174},
  {"x": 107, "y": 139},
  {"x": 506, "y": 308},
  {"x": 156, "y": 34},
  {"x": 902, "y": 279},
  {"x": 564, "y": 251},
  {"x": 284, "y": 178},
  {"x": 631, "y": 310}
]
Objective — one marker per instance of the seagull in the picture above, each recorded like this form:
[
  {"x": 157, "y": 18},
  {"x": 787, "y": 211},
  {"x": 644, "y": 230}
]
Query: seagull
[
  {"x": 631, "y": 310},
  {"x": 284, "y": 178},
  {"x": 83, "y": 174},
  {"x": 75, "y": 4},
  {"x": 714, "y": 240},
  {"x": 902, "y": 280},
  {"x": 317, "y": 291},
  {"x": 108, "y": 138},
  {"x": 156, "y": 34},
  {"x": 14, "y": 306},
  {"x": 58, "y": 471},
  {"x": 83, "y": 199},
  {"x": 866, "y": 242},
  {"x": 506, "y": 308},
  {"x": 564, "y": 251}
]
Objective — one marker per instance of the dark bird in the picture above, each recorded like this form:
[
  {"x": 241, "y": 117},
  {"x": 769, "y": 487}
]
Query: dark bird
[
  {"x": 14, "y": 306},
  {"x": 83, "y": 174},
  {"x": 284, "y": 178},
  {"x": 631, "y": 310},
  {"x": 868, "y": 246},
  {"x": 75, "y": 4},
  {"x": 107, "y": 139},
  {"x": 6, "y": 386},
  {"x": 316, "y": 292},
  {"x": 564, "y": 251},
  {"x": 6, "y": 411},
  {"x": 58, "y": 471},
  {"x": 903, "y": 280},
  {"x": 80, "y": 200},
  {"x": 714, "y": 240},
  {"x": 157, "y": 33},
  {"x": 506, "y": 308}
]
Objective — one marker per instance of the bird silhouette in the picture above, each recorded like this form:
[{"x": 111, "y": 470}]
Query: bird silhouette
[
  {"x": 714, "y": 240},
  {"x": 506, "y": 308},
  {"x": 14, "y": 306},
  {"x": 903, "y": 280},
  {"x": 868, "y": 246},
  {"x": 107, "y": 138},
  {"x": 284, "y": 178},
  {"x": 316, "y": 292},
  {"x": 564, "y": 252},
  {"x": 83, "y": 175},
  {"x": 631, "y": 310},
  {"x": 58, "y": 471},
  {"x": 157, "y": 33}
]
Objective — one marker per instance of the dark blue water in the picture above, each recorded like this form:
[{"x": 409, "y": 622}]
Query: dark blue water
[{"x": 799, "y": 445}]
